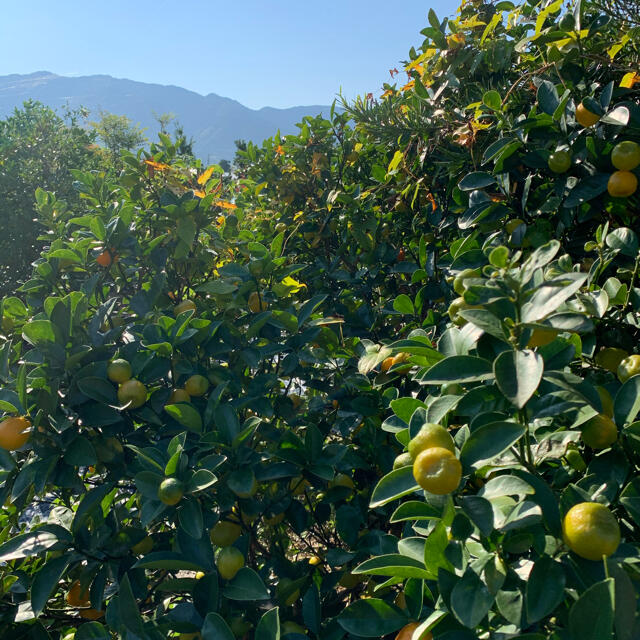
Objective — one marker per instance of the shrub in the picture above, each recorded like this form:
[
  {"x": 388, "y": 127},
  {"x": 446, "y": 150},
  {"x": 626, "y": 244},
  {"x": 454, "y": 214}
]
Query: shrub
[{"x": 413, "y": 260}]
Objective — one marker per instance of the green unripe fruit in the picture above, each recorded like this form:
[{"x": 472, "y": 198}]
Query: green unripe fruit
[
  {"x": 458, "y": 282},
  {"x": 626, "y": 155},
  {"x": 119, "y": 370},
  {"x": 430, "y": 435},
  {"x": 403, "y": 460},
  {"x": 229, "y": 561},
  {"x": 629, "y": 367},
  {"x": 225, "y": 533},
  {"x": 196, "y": 385},
  {"x": 559, "y": 161},
  {"x": 170, "y": 491}
]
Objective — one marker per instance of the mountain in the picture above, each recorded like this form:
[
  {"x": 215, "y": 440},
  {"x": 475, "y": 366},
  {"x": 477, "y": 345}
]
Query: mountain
[{"x": 213, "y": 121}]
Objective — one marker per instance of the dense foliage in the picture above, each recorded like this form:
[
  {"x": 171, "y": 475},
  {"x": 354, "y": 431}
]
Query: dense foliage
[
  {"x": 222, "y": 375},
  {"x": 38, "y": 149}
]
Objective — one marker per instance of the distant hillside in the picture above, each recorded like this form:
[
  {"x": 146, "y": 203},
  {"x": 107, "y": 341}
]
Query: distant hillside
[{"x": 213, "y": 121}]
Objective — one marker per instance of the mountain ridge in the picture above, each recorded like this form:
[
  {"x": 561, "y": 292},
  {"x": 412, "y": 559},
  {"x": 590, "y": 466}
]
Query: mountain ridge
[{"x": 214, "y": 121}]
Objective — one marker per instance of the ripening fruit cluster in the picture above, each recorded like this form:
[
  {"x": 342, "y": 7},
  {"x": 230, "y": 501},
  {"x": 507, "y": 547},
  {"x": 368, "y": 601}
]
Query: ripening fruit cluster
[
  {"x": 625, "y": 157},
  {"x": 132, "y": 394},
  {"x": 431, "y": 452}
]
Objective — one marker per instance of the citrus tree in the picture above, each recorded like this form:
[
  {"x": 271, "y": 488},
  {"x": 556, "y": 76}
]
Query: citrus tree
[
  {"x": 519, "y": 130},
  {"x": 188, "y": 447},
  {"x": 380, "y": 382}
]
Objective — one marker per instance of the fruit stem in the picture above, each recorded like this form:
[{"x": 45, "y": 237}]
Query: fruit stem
[
  {"x": 633, "y": 279},
  {"x": 522, "y": 416}
]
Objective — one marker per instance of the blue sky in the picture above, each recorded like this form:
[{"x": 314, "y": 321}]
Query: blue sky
[{"x": 272, "y": 53}]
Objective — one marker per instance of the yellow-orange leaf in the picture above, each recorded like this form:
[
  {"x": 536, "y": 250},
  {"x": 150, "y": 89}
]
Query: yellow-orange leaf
[
  {"x": 159, "y": 166},
  {"x": 225, "y": 205},
  {"x": 616, "y": 48},
  {"x": 629, "y": 80},
  {"x": 202, "y": 179},
  {"x": 292, "y": 284}
]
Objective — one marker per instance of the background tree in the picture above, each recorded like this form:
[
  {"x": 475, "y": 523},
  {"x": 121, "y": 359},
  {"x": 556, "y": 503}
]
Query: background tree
[
  {"x": 38, "y": 148},
  {"x": 117, "y": 134}
]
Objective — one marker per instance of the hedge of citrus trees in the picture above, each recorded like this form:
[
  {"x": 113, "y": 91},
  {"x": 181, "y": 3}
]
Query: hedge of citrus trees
[{"x": 380, "y": 383}]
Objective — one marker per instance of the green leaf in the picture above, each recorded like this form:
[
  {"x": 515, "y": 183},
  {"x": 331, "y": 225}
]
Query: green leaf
[
  {"x": 435, "y": 547},
  {"x": 91, "y": 502},
  {"x": 626, "y": 404},
  {"x": 29, "y": 544},
  {"x": 518, "y": 374},
  {"x": 187, "y": 230},
  {"x": 128, "y": 607},
  {"x": 202, "y": 479},
  {"x": 269, "y": 626},
  {"x": 92, "y": 631},
  {"x": 80, "y": 452},
  {"x": 393, "y": 565},
  {"x": 374, "y": 355},
  {"x": 45, "y": 581},
  {"x": 371, "y": 618},
  {"x": 493, "y": 100},
  {"x": 276, "y": 245},
  {"x": 241, "y": 481},
  {"x": 551, "y": 295},
  {"x": 547, "y": 95},
  {"x": 440, "y": 407},
  {"x": 470, "y": 599},
  {"x": 496, "y": 148},
  {"x": 394, "y": 485},
  {"x": 40, "y": 333},
  {"x": 458, "y": 369},
  {"x": 167, "y": 560},
  {"x": 591, "y": 616},
  {"x": 480, "y": 512},
  {"x": 625, "y": 240},
  {"x": 247, "y": 585},
  {"x": 476, "y": 180},
  {"x": 147, "y": 483},
  {"x": 190, "y": 517},
  {"x": 217, "y": 287},
  {"x": 587, "y": 189},
  {"x": 404, "y": 304},
  {"x": 545, "y": 497},
  {"x": 489, "y": 441},
  {"x": 98, "y": 389},
  {"x": 215, "y": 627},
  {"x": 404, "y": 408},
  {"x": 415, "y": 510},
  {"x": 625, "y": 602},
  {"x": 311, "y": 609},
  {"x": 485, "y": 320},
  {"x": 545, "y": 588},
  {"x": 186, "y": 414},
  {"x": 433, "y": 20},
  {"x": 539, "y": 258}
]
